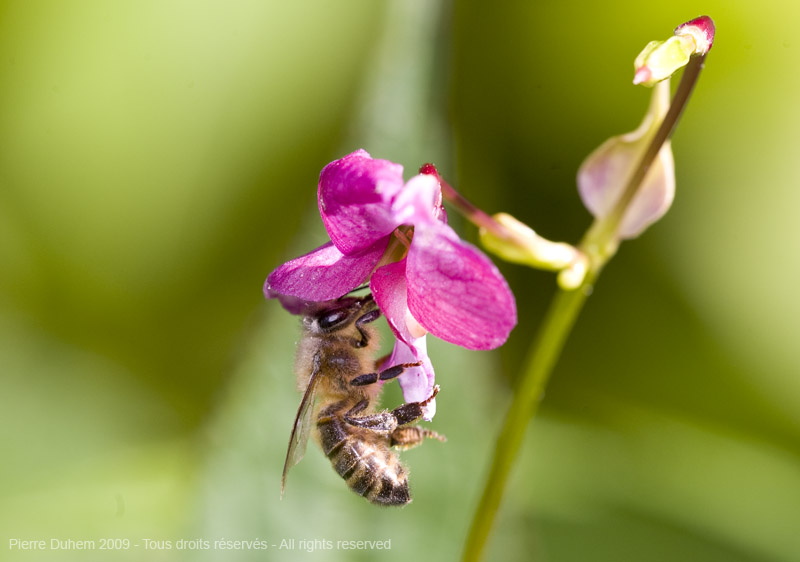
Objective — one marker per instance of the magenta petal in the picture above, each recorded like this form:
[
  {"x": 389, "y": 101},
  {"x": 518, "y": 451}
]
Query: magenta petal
[
  {"x": 293, "y": 305},
  {"x": 355, "y": 197},
  {"x": 388, "y": 287},
  {"x": 419, "y": 201},
  {"x": 322, "y": 274},
  {"x": 456, "y": 292},
  {"x": 416, "y": 382}
]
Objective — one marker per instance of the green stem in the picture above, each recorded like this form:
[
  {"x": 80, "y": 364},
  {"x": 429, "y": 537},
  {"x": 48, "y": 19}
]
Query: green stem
[
  {"x": 600, "y": 244},
  {"x": 557, "y": 325}
]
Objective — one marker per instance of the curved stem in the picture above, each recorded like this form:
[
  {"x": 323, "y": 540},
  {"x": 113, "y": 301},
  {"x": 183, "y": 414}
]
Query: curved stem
[
  {"x": 599, "y": 243},
  {"x": 688, "y": 80}
]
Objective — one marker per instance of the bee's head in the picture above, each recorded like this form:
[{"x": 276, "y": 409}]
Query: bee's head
[{"x": 332, "y": 316}]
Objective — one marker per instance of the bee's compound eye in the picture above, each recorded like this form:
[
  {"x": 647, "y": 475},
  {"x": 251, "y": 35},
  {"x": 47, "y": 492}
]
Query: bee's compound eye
[{"x": 330, "y": 319}]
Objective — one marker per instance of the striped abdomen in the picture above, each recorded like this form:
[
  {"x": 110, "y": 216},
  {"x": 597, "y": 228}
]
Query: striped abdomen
[{"x": 364, "y": 460}]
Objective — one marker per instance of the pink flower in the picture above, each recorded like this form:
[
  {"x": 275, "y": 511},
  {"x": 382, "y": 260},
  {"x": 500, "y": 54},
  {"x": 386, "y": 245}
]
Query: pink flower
[{"x": 423, "y": 277}]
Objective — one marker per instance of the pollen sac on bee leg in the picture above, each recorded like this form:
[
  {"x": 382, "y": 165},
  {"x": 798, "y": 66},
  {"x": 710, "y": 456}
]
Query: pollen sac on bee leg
[{"x": 409, "y": 437}]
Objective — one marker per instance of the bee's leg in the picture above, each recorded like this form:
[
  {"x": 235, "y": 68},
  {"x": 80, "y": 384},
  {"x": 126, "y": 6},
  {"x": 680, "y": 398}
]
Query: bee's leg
[
  {"x": 380, "y": 361},
  {"x": 411, "y": 412},
  {"x": 385, "y": 375},
  {"x": 370, "y": 316},
  {"x": 405, "y": 436},
  {"x": 360, "y": 407},
  {"x": 411, "y": 436},
  {"x": 383, "y": 422},
  {"x": 391, "y": 421}
]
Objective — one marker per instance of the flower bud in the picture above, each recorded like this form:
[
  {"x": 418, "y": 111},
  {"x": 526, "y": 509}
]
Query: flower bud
[
  {"x": 604, "y": 174},
  {"x": 660, "y": 59},
  {"x": 523, "y": 245}
]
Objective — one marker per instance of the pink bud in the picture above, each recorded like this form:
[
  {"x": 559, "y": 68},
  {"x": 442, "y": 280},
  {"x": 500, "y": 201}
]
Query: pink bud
[
  {"x": 661, "y": 59},
  {"x": 702, "y": 29}
]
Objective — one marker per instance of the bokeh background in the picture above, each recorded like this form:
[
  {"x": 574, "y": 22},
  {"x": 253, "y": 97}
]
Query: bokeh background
[{"x": 159, "y": 158}]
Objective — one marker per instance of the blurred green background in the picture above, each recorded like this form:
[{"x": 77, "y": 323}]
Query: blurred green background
[{"x": 159, "y": 158}]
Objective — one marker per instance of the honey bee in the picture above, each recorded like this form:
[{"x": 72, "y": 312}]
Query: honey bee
[{"x": 335, "y": 364}]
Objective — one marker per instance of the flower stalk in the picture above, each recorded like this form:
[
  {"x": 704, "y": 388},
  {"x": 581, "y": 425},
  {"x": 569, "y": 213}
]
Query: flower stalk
[
  {"x": 599, "y": 244},
  {"x": 476, "y": 216},
  {"x": 510, "y": 239},
  {"x": 547, "y": 346}
]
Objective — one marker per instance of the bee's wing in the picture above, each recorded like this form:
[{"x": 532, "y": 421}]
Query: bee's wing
[{"x": 302, "y": 424}]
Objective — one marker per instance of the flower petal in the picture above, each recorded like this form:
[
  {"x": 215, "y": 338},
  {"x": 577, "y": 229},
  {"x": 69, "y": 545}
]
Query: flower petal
[
  {"x": 355, "y": 195},
  {"x": 456, "y": 292},
  {"x": 388, "y": 287},
  {"x": 430, "y": 169},
  {"x": 416, "y": 382},
  {"x": 419, "y": 201},
  {"x": 321, "y": 275},
  {"x": 603, "y": 176},
  {"x": 654, "y": 197},
  {"x": 293, "y": 305}
]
